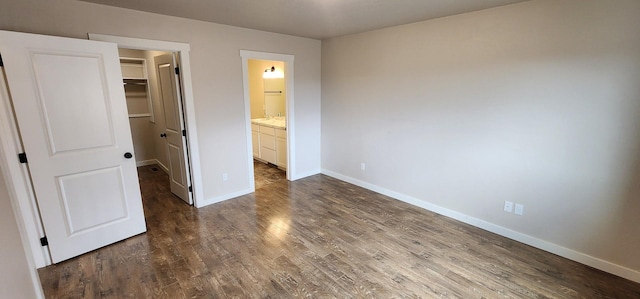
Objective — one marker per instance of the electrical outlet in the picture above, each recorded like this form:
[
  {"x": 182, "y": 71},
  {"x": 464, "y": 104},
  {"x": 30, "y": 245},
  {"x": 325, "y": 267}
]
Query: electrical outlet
[
  {"x": 362, "y": 166},
  {"x": 519, "y": 209},
  {"x": 508, "y": 206},
  {"x": 225, "y": 176}
]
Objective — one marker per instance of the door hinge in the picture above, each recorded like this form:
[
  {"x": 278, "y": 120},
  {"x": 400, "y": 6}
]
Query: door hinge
[
  {"x": 44, "y": 241},
  {"x": 190, "y": 188},
  {"x": 184, "y": 132},
  {"x": 177, "y": 71},
  {"x": 1, "y": 62},
  {"x": 22, "y": 157}
]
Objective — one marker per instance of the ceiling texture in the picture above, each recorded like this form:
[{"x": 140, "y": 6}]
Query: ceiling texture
[{"x": 317, "y": 19}]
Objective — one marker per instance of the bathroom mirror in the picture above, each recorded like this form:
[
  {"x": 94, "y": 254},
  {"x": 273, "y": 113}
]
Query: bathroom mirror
[{"x": 274, "y": 97}]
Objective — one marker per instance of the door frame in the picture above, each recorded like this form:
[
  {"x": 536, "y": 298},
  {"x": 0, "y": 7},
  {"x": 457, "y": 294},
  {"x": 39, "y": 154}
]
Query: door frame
[
  {"x": 193, "y": 169},
  {"x": 18, "y": 184},
  {"x": 290, "y": 114}
]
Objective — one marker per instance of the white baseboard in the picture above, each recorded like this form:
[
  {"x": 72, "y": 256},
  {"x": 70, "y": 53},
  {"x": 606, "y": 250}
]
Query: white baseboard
[
  {"x": 305, "y": 174},
  {"x": 573, "y": 255},
  {"x": 217, "y": 199},
  {"x": 164, "y": 168},
  {"x": 152, "y": 162},
  {"x": 228, "y": 196},
  {"x": 146, "y": 162}
]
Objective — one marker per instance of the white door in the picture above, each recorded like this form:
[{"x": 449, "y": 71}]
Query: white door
[
  {"x": 175, "y": 139},
  {"x": 70, "y": 107}
]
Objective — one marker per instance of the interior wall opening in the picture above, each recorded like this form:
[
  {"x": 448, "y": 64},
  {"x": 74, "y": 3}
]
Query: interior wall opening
[
  {"x": 152, "y": 91},
  {"x": 268, "y": 105}
]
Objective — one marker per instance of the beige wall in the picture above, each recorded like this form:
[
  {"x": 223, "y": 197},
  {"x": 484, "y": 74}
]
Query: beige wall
[
  {"x": 256, "y": 84},
  {"x": 535, "y": 103},
  {"x": 142, "y": 133},
  {"x": 15, "y": 276},
  {"x": 216, "y": 71},
  {"x": 130, "y": 53}
]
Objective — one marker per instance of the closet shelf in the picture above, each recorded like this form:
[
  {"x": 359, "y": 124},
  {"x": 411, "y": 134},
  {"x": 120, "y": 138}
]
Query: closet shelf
[
  {"x": 139, "y": 115},
  {"x": 136, "y": 87},
  {"x": 135, "y": 81}
]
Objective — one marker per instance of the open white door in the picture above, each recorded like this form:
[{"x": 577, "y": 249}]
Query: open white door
[
  {"x": 174, "y": 120},
  {"x": 70, "y": 107}
]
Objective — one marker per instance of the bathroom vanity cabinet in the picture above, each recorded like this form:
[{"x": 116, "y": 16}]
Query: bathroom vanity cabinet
[
  {"x": 281, "y": 148},
  {"x": 269, "y": 143}
]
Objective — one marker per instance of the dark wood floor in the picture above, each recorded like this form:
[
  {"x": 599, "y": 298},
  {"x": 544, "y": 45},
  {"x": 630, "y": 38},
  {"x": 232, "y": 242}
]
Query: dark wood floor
[
  {"x": 322, "y": 238},
  {"x": 266, "y": 174}
]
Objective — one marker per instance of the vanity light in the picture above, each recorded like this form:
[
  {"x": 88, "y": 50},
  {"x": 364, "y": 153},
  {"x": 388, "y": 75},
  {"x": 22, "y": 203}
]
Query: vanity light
[{"x": 272, "y": 73}]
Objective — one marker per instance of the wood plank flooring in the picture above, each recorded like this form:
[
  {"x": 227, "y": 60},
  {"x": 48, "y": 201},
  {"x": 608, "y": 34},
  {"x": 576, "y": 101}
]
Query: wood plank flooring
[
  {"x": 266, "y": 174},
  {"x": 318, "y": 238}
]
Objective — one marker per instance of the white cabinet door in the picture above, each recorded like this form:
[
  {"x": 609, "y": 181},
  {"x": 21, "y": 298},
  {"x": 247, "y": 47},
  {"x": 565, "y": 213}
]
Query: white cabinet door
[
  {"x": 268, "y": 144},
  {"x": 281, "y": 148},
  {"x": 70, "y": 107}
]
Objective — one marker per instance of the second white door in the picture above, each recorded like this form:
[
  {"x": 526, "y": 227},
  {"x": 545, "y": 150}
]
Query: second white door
[{"x": 175, "y": 135}]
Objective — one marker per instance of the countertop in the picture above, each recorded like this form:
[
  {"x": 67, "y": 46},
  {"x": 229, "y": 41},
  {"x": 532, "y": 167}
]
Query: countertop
[{"x": 274, "y": 122}]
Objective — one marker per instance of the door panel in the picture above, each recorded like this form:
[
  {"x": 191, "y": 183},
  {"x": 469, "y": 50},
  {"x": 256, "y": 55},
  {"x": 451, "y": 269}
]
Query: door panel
[
  {"x": 70, "y": 107},
  {"x": 175, "y": 158},
  {"x": 167, "y": 89},
  {"x": 87, "y": 105},
  {"x": 79, "y": 203},
  {"x": 167, "y": 81}
]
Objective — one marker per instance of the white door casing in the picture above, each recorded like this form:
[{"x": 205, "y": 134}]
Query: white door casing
[
  {"x": 70, "y": 107},
  {"x": 292, "y": 172},
  {"x": 168, "y": 85}
]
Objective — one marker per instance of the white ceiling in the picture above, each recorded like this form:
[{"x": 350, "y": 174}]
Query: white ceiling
[{"x": 318, "y": 19}]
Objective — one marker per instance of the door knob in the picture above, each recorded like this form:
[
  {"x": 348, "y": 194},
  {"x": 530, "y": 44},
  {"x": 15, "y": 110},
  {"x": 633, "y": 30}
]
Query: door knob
[
  {"x": 128, "y": 155},
  {"x": 163, "y": 135}
]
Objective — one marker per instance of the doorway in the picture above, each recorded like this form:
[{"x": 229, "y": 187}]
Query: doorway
[
  {"x": 268, "y": 97},
  {"x": 278, "y": 130},
  {"x": 154, "y": 101},
  {"x": 190, "y": 132}
]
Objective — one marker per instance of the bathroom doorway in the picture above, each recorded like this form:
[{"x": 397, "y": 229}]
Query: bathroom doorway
[
  {"x": 267, "y": 100},
  {"x": 270, "y": 120}
]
